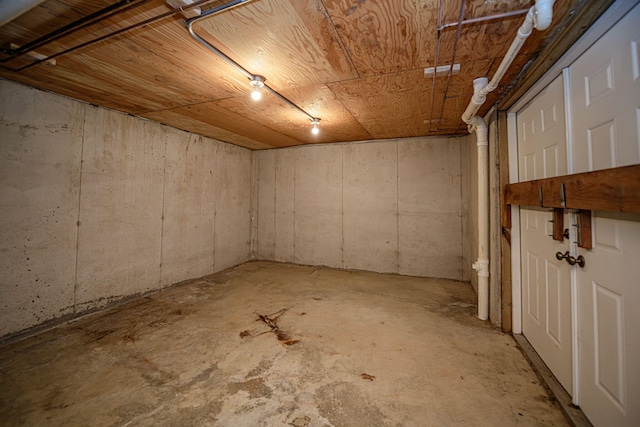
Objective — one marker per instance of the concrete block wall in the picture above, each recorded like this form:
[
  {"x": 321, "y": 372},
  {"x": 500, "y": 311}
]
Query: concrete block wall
[
  {"x": 96, "y": 206},
  {"x": 395, "y": 206}
]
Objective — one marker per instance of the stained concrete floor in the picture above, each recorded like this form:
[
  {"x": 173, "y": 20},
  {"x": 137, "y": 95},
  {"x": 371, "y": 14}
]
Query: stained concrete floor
[{"x": 333, "y": 348}]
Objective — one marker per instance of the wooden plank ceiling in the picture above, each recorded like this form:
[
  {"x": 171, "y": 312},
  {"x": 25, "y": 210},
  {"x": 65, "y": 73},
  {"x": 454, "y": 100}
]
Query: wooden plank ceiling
[{"x": 358, "y": 65}]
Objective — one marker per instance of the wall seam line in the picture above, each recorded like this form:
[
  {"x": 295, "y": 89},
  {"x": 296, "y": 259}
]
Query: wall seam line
[
  {"x": 253, "y": 183},
  {"x": 256, "y": 217},
  {"x": 164, "y": 189},
  {"x": 216, "y": 180},
  {"x": 75, "y": 278},
  {"x": 461, "y": 143},
  {"x": 342, "y": 208},
  {"x": 214, "y": 177},
  {"x": 294, "y": 206},
  {"x": 398, "y": 206},
  {"x": 275, "y": 203}
]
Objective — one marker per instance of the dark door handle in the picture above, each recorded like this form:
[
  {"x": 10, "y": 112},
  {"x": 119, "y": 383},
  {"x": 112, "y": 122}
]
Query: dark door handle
[{"x": 571, "y": 260}]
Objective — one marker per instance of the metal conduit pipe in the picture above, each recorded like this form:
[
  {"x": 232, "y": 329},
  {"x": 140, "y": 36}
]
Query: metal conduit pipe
[
  {"x": 484, "y": 19},
  {"x": 240, "y": 68},
  {"x": 111, "y": 35},
  {"x": 79, "y": 24},
  {"x": 539, "y": 17},
  {"x": 207, "y": 14}
]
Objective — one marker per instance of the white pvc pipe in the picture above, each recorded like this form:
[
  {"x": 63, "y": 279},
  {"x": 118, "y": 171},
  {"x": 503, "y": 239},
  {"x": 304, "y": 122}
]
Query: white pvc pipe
[
  {"x": 539, "y": 16},
  {"x": 482, "y": 264},
  {"x": 11, "y": 9},
  {"x": 544, "y": 14}
]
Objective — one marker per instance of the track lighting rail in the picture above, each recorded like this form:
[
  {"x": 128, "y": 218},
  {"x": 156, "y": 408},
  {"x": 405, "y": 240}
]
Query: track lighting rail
[{"x": 252, "y": 77}]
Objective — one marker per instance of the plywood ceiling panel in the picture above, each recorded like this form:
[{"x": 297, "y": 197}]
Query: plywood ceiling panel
[
  {"x": 293, "y": 50},
  {"x": 138, "y": 71},
  {"x": 182, "y": 119},
  {"x": 355, "y": 64},
  {"x": 215, "y": 115},
  {"x": 385, "y": 36},
  {"x": 337, "y": 122},
  {"x": 388, "y": 106},
  {"x": 208, "y": 74}
]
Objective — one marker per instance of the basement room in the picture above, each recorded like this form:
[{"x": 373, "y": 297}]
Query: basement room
[{"x": 320, "y": 213}]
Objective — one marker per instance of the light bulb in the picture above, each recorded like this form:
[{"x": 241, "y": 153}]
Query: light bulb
[
  {"x": 256, "y": 83},
  {"x": 315, "y": 122}
]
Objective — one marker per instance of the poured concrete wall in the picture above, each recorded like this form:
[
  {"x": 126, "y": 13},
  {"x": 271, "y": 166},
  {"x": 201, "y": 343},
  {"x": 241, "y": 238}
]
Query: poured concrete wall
[
  {"x": 97, "y": 206},
  {"x": 370, "y": 207},
  {"x": 120, "y": 233},
  {"x": 188, "y": 226},
  {"x": 318, "y": 206},
  {"x": 40, "y": 153},
  {"x": 232, "y": 195},
  {"x": 388, "y": 206}
]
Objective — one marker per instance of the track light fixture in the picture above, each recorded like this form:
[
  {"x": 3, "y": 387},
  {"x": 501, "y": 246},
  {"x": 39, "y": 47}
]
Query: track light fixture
[
  {"x": 315, "y": 122},
  {"x": 257, "y": 82}
]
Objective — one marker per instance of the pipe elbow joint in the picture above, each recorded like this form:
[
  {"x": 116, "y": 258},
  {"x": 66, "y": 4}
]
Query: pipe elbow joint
[
  {"x": 543, "y": 14},
  {"x": 482, "y": 267},
  {"x": 526, "y": 28},
  {"x": 479, "y": 84}
]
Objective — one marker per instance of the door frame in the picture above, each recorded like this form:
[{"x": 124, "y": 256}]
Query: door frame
[{"x": 597, "y": 30}]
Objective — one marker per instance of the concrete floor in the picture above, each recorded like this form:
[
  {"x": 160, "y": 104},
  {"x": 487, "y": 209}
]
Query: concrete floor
[{"x": 373, "y": 350}]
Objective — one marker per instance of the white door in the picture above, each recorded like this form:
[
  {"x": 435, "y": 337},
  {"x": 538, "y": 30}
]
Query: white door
[
  {"x": 546, "y": 282},
  {"x": 605, "y": 101},
  {"x": 609, "y": 322}
]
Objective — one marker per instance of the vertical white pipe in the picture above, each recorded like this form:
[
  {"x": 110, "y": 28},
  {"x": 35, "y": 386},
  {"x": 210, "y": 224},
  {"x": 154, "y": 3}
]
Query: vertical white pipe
[
  {"x": 482, "y": 264},
  {"x": 540, "y": 16}
]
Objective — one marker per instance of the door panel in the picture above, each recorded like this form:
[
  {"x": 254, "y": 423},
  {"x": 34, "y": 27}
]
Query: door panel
[
  {"x": 546, "y": 282},
  {"x": 605, "y": 102},
  {"x": 609, "y": 334},
  {"x": 605, "y": 99},
  {"x": 553, "y": 297},
  {"x": 533, "y": 287},
  {"x": 546, "y": 294},
  {"x": 542, "y": 149}
]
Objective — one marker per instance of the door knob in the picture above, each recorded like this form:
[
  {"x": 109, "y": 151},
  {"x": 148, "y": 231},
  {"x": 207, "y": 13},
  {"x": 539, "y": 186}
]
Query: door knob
[
  {"x": 560, "y": 256},
  {"x": 571, "y": 260}
]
